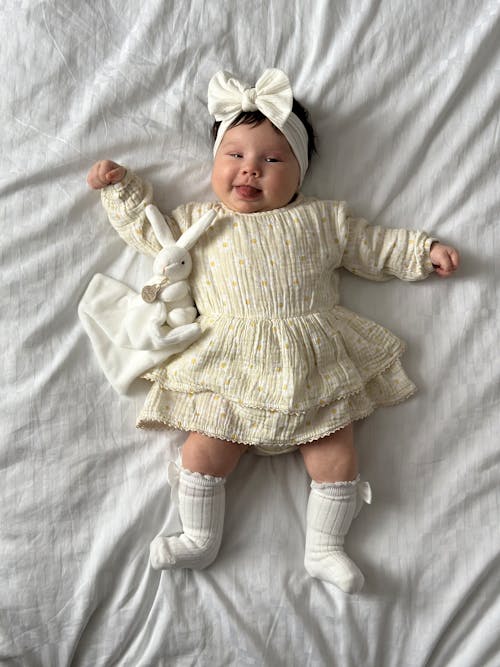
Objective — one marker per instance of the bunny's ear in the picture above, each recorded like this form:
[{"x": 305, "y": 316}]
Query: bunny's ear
[
  {"x": 191, "y": 235},
  {"x": 160, "y": 227}
]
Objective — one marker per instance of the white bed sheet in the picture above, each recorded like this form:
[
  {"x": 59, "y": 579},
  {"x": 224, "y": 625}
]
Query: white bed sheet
[{"x": 405, "y": 98}]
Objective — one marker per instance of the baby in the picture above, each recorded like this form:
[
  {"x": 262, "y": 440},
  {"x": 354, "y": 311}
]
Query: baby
[{"x": 280, "y": 365}]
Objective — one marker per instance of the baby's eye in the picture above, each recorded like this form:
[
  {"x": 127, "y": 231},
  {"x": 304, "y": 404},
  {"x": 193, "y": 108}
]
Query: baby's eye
[
  {"x": 272, "y": 159},
  {"x": 235, "y": 155}
]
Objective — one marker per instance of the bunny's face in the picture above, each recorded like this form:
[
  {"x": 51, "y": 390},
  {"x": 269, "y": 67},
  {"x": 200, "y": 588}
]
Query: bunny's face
[{"x": 173, "y": 262}]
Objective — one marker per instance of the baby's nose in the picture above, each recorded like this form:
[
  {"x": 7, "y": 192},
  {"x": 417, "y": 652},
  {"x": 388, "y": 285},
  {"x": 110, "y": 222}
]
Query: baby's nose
[{"x": 250, "y": 167}]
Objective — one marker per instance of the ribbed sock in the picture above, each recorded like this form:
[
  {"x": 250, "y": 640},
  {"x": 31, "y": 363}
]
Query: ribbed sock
[
  {"x": 330, "y": 511},
  {"x": 201, "y": 510}
]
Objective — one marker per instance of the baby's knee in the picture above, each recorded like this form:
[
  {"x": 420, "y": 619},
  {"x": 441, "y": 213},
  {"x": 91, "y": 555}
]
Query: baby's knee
[
  {"x": 331, "y": 459},
  {"x": 211, "y": 456}
]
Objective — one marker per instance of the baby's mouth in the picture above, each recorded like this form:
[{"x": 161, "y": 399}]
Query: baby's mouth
[{"x": 247, "y": 191}]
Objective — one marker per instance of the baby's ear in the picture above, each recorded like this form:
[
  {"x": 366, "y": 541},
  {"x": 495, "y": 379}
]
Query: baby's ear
[{"x": 160, "y": 227}]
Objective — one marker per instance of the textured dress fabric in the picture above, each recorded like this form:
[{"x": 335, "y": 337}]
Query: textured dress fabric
[{"x": 279, "y": 362}]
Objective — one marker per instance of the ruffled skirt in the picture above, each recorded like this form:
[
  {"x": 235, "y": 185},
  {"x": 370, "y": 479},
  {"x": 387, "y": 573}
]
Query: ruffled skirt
[{"x": 374, "y": 377}]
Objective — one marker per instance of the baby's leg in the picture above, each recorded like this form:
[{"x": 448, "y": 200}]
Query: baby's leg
[
  {"x": 332, "y": 459},
  {"x": 211, "y": 456},
  {"x": 333, "y": 504},
  {"x": 206, "y": 463}
]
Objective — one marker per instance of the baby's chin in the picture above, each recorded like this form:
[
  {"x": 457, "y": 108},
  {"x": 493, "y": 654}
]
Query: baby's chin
[
  {"x": 239, "y": 205},
  {"x": 245, "y": 207},
  {"x": 242, "y": 206}
]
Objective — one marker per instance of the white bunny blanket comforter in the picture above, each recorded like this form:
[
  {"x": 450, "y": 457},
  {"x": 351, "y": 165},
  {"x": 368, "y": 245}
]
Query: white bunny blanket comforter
[
  {"x": 404, "y": 97},
  {"x": 131, "y": 332}
]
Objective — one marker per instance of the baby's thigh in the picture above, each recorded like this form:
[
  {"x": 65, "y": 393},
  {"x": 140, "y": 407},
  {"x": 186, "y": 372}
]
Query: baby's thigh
[
  {"x": 211, "y": 456},
  {"x": 332, "y": 458}
]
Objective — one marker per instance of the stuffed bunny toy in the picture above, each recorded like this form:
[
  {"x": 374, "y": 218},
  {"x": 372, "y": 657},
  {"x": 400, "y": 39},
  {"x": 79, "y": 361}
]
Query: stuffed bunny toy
[
  {"x": 130, "y": 332},
  {"x": 169, "y": 284}
]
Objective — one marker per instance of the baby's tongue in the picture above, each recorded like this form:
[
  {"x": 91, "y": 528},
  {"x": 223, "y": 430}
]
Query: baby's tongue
[{"x": 248, "y": 190}]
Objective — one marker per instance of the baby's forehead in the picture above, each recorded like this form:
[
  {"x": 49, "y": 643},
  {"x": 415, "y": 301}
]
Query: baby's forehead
[{"x": 264, "y": 133}]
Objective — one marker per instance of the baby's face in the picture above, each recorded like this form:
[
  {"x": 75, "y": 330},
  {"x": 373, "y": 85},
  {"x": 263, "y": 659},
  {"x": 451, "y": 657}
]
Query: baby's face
[{"x": 255, "y": 169}]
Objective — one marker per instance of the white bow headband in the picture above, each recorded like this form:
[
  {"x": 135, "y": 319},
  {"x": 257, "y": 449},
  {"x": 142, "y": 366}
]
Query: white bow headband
[{"x": 272, "y": 96}]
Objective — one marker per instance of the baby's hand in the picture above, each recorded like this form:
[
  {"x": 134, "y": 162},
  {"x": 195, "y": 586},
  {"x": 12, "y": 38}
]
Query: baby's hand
[
  {"x": 445, "y": 259},
  {"x": 105, "y": 172}
]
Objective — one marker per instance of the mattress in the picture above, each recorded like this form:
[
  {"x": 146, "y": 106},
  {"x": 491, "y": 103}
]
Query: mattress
[{"x": 404, "y": 97}]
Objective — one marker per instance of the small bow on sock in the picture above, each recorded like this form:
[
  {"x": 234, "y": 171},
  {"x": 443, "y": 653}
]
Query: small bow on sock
[
  {"x": 364, "y": 496},
  {"x": 173, "y": 477}
]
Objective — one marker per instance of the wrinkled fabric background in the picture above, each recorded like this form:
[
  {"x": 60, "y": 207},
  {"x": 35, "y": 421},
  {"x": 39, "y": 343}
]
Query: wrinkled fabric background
[{"x": 404, "y": 97}]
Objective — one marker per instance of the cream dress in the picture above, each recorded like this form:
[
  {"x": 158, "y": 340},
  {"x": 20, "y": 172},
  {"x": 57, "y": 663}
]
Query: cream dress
[{"x": 279, "y": 362}]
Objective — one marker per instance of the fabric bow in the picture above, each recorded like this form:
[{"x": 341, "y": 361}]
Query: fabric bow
[
  {"x": 364, "y": 496},
  {"x": 272, "y": 95},
  {"x": 173, "y": 477}
]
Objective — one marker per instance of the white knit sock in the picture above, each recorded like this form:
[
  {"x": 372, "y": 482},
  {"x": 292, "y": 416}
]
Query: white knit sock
[
  {"x": 330, "y": 511},
  {"x": 201, "y": 509}
]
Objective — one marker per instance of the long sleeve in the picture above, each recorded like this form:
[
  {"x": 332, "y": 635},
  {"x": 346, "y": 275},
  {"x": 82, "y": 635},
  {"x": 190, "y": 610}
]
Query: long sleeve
[
  {"x": 380, "y": 253},
  {"x": 124, "y": 203}
]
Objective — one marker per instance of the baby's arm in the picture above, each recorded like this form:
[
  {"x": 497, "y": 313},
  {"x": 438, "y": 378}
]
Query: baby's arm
[
  {"x": 379, "y": 253},
  {"x": 125, "y": 196}
]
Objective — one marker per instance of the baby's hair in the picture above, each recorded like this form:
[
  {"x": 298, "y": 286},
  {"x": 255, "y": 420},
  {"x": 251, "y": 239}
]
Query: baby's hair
[{"x": 257, "y": 117}]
